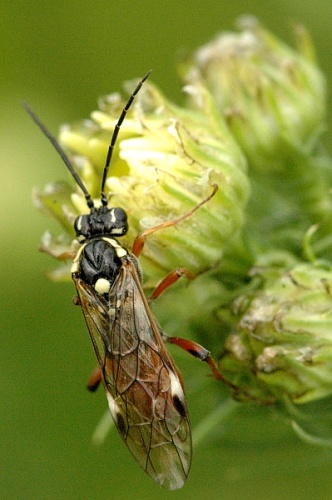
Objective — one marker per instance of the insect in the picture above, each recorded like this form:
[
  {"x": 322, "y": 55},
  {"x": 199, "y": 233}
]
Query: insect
[{"x": 143, "y": 386}]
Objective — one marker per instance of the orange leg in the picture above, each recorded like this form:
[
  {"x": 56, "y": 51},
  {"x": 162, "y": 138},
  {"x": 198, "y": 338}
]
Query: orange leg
[
  {"x": 55, "y": 253},
  {"x": 94, "y": 380},
  {"x": 66, "y": 256},
  {"x": 199, "y": 352},
  {"x": 140, "y": 239},
  {"x": 170, "y": 279},
  {"x": 190, "y": 346}
]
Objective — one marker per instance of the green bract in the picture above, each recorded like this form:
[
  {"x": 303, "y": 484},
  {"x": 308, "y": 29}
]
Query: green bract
[
  {"x": 273, "y": 99},
  {"x": 282, "y": 340},
  {"x": 272, "y": 96}
]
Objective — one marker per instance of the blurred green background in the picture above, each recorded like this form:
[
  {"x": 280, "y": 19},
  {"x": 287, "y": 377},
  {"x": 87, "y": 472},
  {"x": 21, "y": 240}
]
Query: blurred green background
[{"x": 60, "y": 56}]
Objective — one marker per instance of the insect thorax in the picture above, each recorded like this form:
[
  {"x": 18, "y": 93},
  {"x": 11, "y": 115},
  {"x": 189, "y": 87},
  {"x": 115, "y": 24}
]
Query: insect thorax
[
  {"x": 99, "y": 259},
  {"x": 97, "y": 263}
]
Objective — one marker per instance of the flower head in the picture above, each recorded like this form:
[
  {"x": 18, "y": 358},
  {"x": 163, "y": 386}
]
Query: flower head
[
  {"x": 272, "y": 96},
  {"x": 282, "y": 341},
  {"x": 165, "y": 162}
]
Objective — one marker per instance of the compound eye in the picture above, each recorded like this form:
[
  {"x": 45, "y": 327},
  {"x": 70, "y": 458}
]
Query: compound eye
[
  {"x": 121, "y": 220},
  {"x": 121, "y": 217},
  {"x": 82, "y": 226},
  {"x": 116, "y": 223}
]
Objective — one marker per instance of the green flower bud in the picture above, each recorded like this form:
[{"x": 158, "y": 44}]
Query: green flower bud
[
  {"x": 274, "y": 101},
  {"x": 272, "y": 96},
  {"x": 283, "y": 340},
  {"x": 165, "y": 162}
]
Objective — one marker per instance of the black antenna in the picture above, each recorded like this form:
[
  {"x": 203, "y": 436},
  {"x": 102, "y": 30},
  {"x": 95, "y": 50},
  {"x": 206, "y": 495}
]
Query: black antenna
[
  {"x": 65, "y": 158},
  {"x": 117, "y": 127},
  {"x": 61, "y": 152}
]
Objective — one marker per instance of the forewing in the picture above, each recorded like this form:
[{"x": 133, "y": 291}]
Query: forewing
[{"x": 143, "y": 388}]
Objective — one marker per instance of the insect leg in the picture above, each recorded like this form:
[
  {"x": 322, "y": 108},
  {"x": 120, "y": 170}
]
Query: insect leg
[
  {"x": 56, "y": 254},
  {"x": 66, "y": 256},
  {"x": 170, "y": 279},
  {"x": 199, "y": 352},
  {"x": 140, "y": 239},
  {"x": 76, "y": 301},
  {"x": 94, "y": 380},
  {"x": 193, "y": 348}
]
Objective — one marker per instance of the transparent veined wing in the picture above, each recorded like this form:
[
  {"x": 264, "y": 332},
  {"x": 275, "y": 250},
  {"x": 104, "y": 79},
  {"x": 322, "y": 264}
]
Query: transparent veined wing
[{"x": 143, "y": 386}]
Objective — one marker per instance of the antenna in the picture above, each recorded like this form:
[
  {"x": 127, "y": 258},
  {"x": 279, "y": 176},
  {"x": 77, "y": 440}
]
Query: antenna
[
  {"x": 65, "y": 158},
  {"x": 61, "y": 152},
  {"x": 117, "y": 127}
]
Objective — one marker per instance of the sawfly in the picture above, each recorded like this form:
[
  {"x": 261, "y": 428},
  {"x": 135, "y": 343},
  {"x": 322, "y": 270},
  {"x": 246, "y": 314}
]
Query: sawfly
[{"x": 143, "y": 386}]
